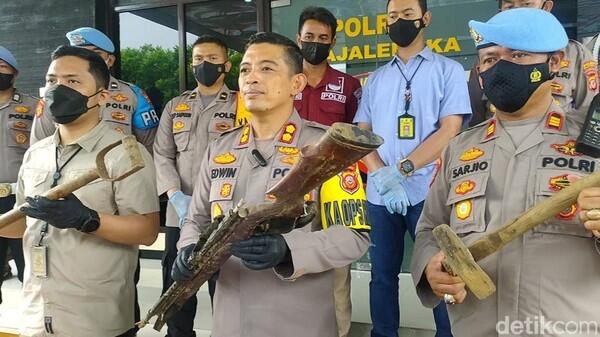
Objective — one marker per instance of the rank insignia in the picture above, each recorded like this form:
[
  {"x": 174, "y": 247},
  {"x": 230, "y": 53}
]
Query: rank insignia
[
  {"x": 21, "y": 138},
  {"x": 471, "y": 154},
  {"x": 182, "y": 107},
  {"x": 568, "y": 213},
  {"x": 463, "y": 209},
  {"x": 556, "y": 88},
  {"x": 590, "y": 65},
  {"x": 223, "y": 96},
  {"x": 245, "y": 135},
  {"x": 288, "y": 150},
  {"x": 564, "y": 63},
  {"x": 39, "y": 108},
  {"x": 178, "y": 126},
  {"x": 288, "y": 134},
  {"x": 119, "y": 98},
  {"x": 491, "y": 129},
  {"x": 567, "y": 148},
  {"x": 465, "y": 187},
  {"x": 554, "y": 121},
  {"x": 225, "y": 190},
  {"x": 22, "y": 109},
  {"x": 118, "y": 116},
  {"x": 225, "y": 158}
]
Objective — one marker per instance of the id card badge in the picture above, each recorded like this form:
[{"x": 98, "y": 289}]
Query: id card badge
[
  {"x": 39, "y": 261},
  {"x": 406, "y": 126}
]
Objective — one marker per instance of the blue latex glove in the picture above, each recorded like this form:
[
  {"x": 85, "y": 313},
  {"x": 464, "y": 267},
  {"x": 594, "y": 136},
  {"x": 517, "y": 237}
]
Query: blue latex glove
[
  {"x": 181, "y": 203},
  {"x": 396, "y": 200},
  {"x": 386, "y": 179}
]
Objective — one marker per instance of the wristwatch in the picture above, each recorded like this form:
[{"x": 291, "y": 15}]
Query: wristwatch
[
  {"x": 407, "y": 167},
  {"x": 92, "y": 223}
]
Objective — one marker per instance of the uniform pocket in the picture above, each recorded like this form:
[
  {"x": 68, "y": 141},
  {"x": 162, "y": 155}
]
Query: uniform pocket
[
  {"x": 18, "y": 134},
  {"x": 467, "y": 199},
  {"x": 33, "y": 180},
  {"x": 221, "y": 196},
  {"x": 567, "y": 221},
  {"x": 181, "y": 133}
]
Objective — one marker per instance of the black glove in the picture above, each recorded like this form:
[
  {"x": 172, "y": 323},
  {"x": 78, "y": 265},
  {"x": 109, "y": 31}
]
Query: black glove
[
  {"x": 182, "y": 270},
  {"x": 262, "y": 251},
  {"x": 64, "y": 213}
]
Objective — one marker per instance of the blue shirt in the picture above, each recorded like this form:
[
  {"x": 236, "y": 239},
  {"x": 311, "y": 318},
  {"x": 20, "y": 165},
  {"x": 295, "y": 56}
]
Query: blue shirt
[{"x": 439, "y": 89}]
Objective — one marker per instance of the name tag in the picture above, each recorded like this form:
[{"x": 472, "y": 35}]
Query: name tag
[{"x": 39, "y": 261}]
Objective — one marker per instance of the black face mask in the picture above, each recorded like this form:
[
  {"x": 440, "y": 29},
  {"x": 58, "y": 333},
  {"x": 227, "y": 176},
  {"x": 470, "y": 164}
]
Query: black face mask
[
  {"x": 66, "y": 104},
  {"x": 6, "y": 81},
  {"x": 509, "y": 85},
  {"x": 207, "y": 73},
  {"x": 403, "y": 32},
  {"x": 315, "y": 52}
]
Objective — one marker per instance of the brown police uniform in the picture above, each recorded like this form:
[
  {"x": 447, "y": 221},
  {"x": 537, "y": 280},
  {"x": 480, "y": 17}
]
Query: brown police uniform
[
  {"x": 573, "y": 88},
  {"x": 296, "y": 301},
  {"x": 484, "y": 182},
  {"x": 89, "y": 288},
  {"x": 186, "y": 128},
  {"x": 127, "y": 111}
]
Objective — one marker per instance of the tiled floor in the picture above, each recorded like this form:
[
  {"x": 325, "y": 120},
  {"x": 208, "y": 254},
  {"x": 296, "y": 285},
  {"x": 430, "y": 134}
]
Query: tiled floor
[{"x": 149, "y": 289}]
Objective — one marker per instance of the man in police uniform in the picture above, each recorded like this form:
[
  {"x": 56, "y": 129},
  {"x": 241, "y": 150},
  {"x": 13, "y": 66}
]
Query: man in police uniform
[
  {"x": 16, "y": 111},
  {"x": 575, "y": 83},
  {"x": 128, "y": 109},
  {"x": 187, "y": 125},
  {"x": 500, "y": 168},
  {"x": 330, "y": 95},
  {"x": 81, "y": 251},
  {"x": 254, "y": 293}
]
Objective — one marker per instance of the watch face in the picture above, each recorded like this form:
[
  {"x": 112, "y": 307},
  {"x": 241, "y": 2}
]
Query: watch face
[{"x": 407, "y": 166}]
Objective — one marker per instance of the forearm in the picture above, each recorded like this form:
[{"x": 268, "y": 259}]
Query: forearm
[
  {"x": 14, "y": 230},
  {"x": 138, "y": 229},
  {"x": 372, "y": 160},
  {"x": 431, "y": 148}
]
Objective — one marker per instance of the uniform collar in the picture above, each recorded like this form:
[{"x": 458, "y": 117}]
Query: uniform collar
[
  {"x": 89, "y": 140},
  {"x": 330, "y": 76},
  {"x": 426, "y": 53},
  {"x": 286, "y": 137},
  {"x": 222, "y": 96}
]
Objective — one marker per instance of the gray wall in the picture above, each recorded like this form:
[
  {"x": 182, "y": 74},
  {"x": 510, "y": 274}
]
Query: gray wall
[
  {"x": 588, "y": 17},
  {"x": 32, "y": 29}
]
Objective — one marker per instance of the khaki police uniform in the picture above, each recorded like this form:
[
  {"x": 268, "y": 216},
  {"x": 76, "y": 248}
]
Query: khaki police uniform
[
  {"x": 89, "y": 290},
  {"x": 128, "y": 111},
  {"x": 291, "y": 300},
  {"x": 573, "y": 88},
  {"x": 186, "y": 128},
  {"x": 594, "y": 46},
  {"x": 484, "y": 182}
]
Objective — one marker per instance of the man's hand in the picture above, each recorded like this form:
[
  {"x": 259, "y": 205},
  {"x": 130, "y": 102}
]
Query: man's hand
[
  {"x": 386, "y": 178},
  {"x": 396, "y": 200},
  {"x": 262, "y": 251},
  {"x": 443, "y": 283},
  {"x": 589, "y": 203},
  {"x": 181, "y": 203},
  {"x": 182, "y": 270},
  {"x": 64, "y": 213}
]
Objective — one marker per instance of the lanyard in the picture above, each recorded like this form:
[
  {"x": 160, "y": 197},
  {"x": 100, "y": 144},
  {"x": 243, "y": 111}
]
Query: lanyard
[
  {"x": 407, "y": 89},
  {"x": 55, "y": 178}
]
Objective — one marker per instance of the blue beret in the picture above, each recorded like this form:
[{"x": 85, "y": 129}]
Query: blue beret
[
  {"x": 86, "y": 36},
  {"x": 8, "y": 57},
  {"x": 526, "y": 29}
]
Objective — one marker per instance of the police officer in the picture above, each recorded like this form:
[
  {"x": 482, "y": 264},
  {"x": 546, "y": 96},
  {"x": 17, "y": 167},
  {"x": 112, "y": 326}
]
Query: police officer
[
  {"x": 16, "y": 112},
  {"x": 254, "y": 295},
  {"x": 575, "y": 83},
  {"x": 81, "y": 251},
  {"x": 187, "y": 125},
  {"x": 128, "y": 109},
  {"x": 500, "y": 168}
]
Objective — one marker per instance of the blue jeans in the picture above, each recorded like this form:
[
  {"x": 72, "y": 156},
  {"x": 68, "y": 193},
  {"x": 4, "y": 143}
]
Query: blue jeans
[{"x": 387, "y": 252}]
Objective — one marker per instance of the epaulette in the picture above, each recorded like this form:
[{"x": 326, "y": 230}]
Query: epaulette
[
  {"x": 484, "y": 123},
  {"x": 316, "y": 125},
  {"x": 231, "y": 130}
]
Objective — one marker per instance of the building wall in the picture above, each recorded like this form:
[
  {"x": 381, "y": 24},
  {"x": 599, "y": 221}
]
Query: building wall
[
  {"x": 32, "y": 29},
  {"x": 588, "y": 18}
]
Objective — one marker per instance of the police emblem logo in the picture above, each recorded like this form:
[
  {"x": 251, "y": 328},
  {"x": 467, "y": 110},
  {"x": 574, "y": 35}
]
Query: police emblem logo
[
  {"x": 222, "y": 126},
  {"x": 225, "y": 158},
  {"x": 464, "y": 209},
  {"x": 119, "y": 98},
  {"x": 120, "y": 130},
  {"x": 22, "y": 109},
  {"x": 119, "y": 116},
  {"x": 225, "y": 190},
  {"x": 349, "y": 179},
  {"x": 567, "y": 148},
  {"x": 471, "y": 154},
  {"x": 590, "y": 65},
  {"x": 21, "y": 138},
  {"x": 476, "y": 36},
  {"x": 568, "y": 213},
  {"x": 559, "y": 182},
  {"x": 178, "y": 126},
  {"x": 288, "y": 150},
  {"x": 290, "y": 160},
  {"x": 20, "y": 125},
  {"x": 465, "y": 187},
  {"x": 535, "y": 76},
  {"x": 182, "y": 107},
  {"x": 77, "y": 39}
]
